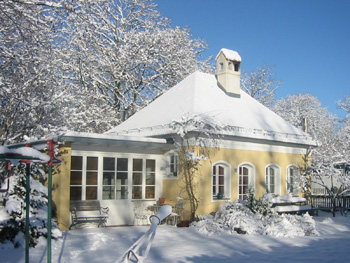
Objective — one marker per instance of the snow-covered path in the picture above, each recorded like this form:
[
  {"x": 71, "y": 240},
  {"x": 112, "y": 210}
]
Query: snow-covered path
[{"x": 188, "y": 245}]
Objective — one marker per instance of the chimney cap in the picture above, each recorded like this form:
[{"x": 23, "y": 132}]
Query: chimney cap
[{"x": 230, "y": 55}]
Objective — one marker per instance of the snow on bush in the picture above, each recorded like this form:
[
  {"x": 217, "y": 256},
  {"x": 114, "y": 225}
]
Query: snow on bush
[
  {"x": 236, "y": 218},
  {"x": 12, "y": 215}
]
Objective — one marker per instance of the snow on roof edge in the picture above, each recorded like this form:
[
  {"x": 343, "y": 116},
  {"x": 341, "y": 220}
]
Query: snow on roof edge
[
  {"x": 25, "y": 152},
  {"x": 229, "y": 131},
  {"x": 120, "y": 137}
]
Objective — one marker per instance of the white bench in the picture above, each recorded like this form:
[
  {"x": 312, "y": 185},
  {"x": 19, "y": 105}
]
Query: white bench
[
  {"x": 291, "y": 205},
  {"x": 295, "y": 209}
]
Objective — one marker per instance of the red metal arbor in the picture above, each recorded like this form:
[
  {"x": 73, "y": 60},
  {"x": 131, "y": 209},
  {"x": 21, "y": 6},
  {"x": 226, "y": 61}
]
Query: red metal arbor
[{"x": 26, "y": 153}]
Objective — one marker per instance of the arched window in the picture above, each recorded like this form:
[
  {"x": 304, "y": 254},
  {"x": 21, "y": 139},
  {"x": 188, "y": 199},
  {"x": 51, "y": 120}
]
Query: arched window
[
  {"x": 245, "y": 179},
  {"x": 221, "y": 181},
  {"x": 273, "y": 179},
  {"x": 292, "y": 179}
]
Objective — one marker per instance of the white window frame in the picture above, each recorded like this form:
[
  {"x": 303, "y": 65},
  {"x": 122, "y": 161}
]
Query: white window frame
[
  {"x": 174, "y": 164},
  {"x": 251, "y": 178},
  {"x": 227, "y": 181},
  {"x": 84, "y": 172},
  {"x": 290, "y": 188},
  {"x": 277, "y": 179},
  {"x": 100, "y": 155},
  {"x": 115, "y": 172}
]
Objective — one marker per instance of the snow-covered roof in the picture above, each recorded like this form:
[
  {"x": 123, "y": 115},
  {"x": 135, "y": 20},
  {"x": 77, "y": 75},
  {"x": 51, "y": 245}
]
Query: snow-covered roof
[
  {"x": 230, "y": 55},
  {"x": 99, "y": 136},
  {"x": 199, "y": 95},
  {"x": 112, "y": 139}
]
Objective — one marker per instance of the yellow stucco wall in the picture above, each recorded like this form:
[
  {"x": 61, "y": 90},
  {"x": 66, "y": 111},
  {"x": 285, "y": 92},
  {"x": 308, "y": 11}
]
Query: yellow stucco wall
[
  {"x": 234, "y": 157},
  {"x": 171, "y": 188},
  {"x": 61, "y": 187}
]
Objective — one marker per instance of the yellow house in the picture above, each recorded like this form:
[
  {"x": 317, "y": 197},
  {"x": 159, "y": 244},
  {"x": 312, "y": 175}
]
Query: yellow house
[{"x": 136, "y": 163}]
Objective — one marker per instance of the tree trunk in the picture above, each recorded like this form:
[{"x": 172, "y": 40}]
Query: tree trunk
[{"x": 333, "y": 206}]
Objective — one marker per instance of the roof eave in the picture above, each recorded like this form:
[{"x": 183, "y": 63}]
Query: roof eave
[
  {"x": 261, "y": 136},
  {"x": 122, "y": 140}
]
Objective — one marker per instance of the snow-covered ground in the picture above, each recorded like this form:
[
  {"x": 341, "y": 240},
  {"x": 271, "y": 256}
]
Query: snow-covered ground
[{"x": 173, "y": 244}]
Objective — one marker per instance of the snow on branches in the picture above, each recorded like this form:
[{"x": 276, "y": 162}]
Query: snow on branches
[{"x": 86, "y": 65}]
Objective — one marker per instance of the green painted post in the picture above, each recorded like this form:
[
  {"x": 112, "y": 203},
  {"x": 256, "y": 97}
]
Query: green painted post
[
  {"x": 27, "y": 211},
  {"x": 49, "y": 215},
  {"x": 49, "y": 197}
]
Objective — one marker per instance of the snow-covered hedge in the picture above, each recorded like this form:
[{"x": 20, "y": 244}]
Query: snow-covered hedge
[{"x": 236, "y": 218}]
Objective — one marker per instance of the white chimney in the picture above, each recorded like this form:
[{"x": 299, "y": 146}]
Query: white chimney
[{"x": 228, "y": 71}]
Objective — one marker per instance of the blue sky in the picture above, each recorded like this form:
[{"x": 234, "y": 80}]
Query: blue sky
[{"x": 307, "y": 41}]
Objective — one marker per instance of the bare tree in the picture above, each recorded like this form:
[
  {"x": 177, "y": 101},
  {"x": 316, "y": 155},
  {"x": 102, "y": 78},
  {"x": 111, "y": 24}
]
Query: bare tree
[
  {"x": 125, "y": 53},
  {"x": 86, "y": 65},
  {"x": 345, "y": 105},
  {"x": 27, "y": 74},
  {"x": 321, "y": 170},
  {"x": 261, "y": 84}
]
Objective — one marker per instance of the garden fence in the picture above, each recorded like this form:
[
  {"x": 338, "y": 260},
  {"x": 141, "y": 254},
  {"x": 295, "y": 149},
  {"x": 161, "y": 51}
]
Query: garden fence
[{"x": 325, "y": 202}]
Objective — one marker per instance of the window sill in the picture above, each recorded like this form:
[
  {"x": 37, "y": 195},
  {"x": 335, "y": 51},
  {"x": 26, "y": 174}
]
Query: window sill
[{"x": 220, "y": 200}]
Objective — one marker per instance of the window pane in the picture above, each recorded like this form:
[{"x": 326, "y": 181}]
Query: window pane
[
  {"x": 136, "y": 192},
  {"x": 91, "y": 193},
  {"x": 108, "y": 164},
  {"x": 76, "y": 178},
  {"x": 91, "y": 178},
  {"x": 92, "y": 163},
  {"x": 214, "y": 190},
  {"x": 122, "y": 164},
  {"x": 150, "y": 190},
  {"x": 172, "y": 168},
  {"x": 77, "y": 163},
  {"x": 214, "y": 170},
  {"x": 151, "y": 165},
  {"x": 245, "y": 188},
  {"x": 122, "y": 178},
  {"x": 245, "y": 171},
  {"x": 221, "y": 180},
  {"x": 172, "y": 161},
  {"x": 137, "y": 165},
  {"x": 137, "y": 178},
  {"x": 75, "y": 193},
  {"x": 221, "y": 189},
  {"x": 108, "y": 178},
  {"x": 221, "y": 170},
  {"x": 245, "y": 180},
  {"x": 122, "y": 192},
  {"x": 150, "y": 179},
  {"x": 108, "y": 193}
]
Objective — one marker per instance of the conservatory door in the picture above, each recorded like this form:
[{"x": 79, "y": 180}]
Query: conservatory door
[{"x": 133, "y": 179}]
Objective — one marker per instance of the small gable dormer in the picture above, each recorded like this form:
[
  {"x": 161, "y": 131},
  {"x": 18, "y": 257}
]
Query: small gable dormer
[{"x": 228, "y": 65}]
